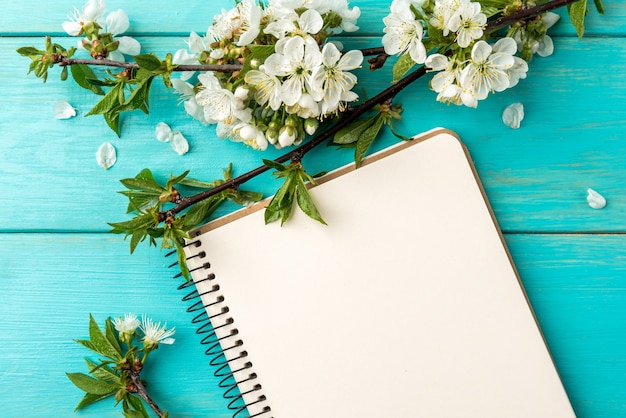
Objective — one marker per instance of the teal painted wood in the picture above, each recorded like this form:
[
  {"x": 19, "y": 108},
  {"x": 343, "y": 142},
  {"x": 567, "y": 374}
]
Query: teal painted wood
[
  {"x": 52, "y": 282},
  {"x": 38, "y": 18},
  {"x": 536, "y": 177}
]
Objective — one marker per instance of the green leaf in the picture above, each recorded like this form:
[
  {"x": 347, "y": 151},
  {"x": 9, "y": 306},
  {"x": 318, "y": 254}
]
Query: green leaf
[
  {"x": 103, "y": 372},
  {"x": 281, "y": 205},
  {"x": 402, "y": 66},
  {"x": 113, "y": 120},
  {"x": 91, "y": 385},
  {"x": 366, "y": 140},
  {"x": 274, "y": 165},
  {"x": 138, "y": 405},
  {"x": 202, "y": 210},
  {"x": 190, "y": 182},
  {"x": 28, "y": 51},
  {"x": 577, "y": 12},
  {"x": 100, "y": 342},
  {"x": 111, "y": 335},
  {"x": 84, "y": 76},
  {"x": 599, "y": 6},
  {"x": 305, "y": 202},
  {"x": 173, "y": 180},
  {"x": 90, "y": 398},
  {"x": 143, "y": 184},
  {"x": 148, "y": 61},
  {"x": 109, "y": 101},
  {"x": 351, "y": 133}
]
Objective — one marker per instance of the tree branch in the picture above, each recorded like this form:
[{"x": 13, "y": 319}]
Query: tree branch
[{"x": 143, "y": 394}]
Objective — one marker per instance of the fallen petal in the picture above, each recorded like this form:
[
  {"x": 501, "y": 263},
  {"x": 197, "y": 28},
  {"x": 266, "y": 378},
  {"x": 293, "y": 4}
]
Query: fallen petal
[
  {"x": 63, "y": 110},
  {"x": 513, "y": 115},
  {"x": 163, "y": 132},
  {"x": 106, "y": 155},
  {"x": 179, "y": 143},
  {"x": 595, "y": 199}
]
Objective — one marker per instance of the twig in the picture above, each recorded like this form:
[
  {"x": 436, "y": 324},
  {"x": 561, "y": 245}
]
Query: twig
[
  {"x": 63, "y": 61},
  {"x": 143, "y": 394}
]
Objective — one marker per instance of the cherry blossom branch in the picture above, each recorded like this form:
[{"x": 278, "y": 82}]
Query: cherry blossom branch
[
  {"x": 385, "y": 96},
  {"x": 63, "y": 61}
]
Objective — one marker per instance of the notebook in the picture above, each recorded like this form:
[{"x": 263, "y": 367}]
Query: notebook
[{"x": 407, "y": 304}]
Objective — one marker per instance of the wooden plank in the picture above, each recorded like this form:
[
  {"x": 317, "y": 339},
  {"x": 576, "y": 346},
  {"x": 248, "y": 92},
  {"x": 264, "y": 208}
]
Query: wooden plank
[
  {"x": 35, "y": 18},
  {"x": 536, "y": 177},
  {"x": 51, "y": 283},
  {"x": 577, "y": 287}
]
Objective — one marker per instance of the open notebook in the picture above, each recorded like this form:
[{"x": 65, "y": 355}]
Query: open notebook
[{"x": 406, "y": 305}]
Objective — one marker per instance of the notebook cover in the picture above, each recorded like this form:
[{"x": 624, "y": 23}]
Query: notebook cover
[{"x": 407, "y": 304}]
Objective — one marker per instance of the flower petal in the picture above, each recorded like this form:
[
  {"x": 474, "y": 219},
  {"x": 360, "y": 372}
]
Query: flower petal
[
  {"x": 179, "y": 143},
  {"x": 106, "y": 155},
  {"x": 595, "y": 199},
  {"x": 513, "y": 115},
  {"x": 63, "y": 110},
  {"x": 117, "y": 22},
  {"x": 163, "y": 132},
  {"x": 128, "y": 45}
]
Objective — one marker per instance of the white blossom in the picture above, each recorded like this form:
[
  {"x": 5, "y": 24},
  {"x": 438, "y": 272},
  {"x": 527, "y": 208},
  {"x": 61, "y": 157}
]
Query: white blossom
[
  {"x": 443, "y": 12},
  {"x": 92, "y": 12},
  {"x": 155, "y": 334},
  {"x": 403, "y": 33},
  {"x": 487, "y": 70},
  {"x": 116, "y": 23},
  {"x": 332, "y": 78},
  {"x": 242, "y": 23},
  {"x": 106, "y": 155},
  {"x": 127, "y": 325},
  {"x": 445, "y": 82},
  {"x": 219, "y": 103},
  {"x": 468, "y": 23},
  {"x": 267, "y": 88}
]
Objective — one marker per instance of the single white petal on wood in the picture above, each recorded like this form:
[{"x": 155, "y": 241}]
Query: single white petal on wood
[
  {"x": 179, "y": 143},
  {"x": 163, "y": 132},
  {"x": 595, "y": 199},
  {"x": 63, "y": 110},
  {"x": 513, "y": 115},
  {"x": 106, "y": 155}
]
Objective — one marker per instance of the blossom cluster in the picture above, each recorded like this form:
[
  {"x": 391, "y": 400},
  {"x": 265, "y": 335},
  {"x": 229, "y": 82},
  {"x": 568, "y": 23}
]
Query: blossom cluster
[
  {"x": 292, "y": 78},
  {"x": 473, "y": 68},
  {"x": 102, "y": 34}
]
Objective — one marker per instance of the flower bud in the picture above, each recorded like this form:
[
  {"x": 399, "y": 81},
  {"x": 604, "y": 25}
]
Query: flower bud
[
  {"x": 247, "y": 132},
  {"x": 241, "y": 93},
  {"x": 287, "y": 136},
  {"x": 292, "y": 121},
  {"x": 271, "y": 135},
  {"x": 311, "y": 125},
  {"x": 261, "y": 141}
]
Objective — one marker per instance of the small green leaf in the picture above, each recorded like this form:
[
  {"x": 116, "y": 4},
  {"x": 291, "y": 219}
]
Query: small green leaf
[
  {"x": 148, "y": 61},
  {"x": 111, "y": 336},
  {"x": 29, "y": 51},
  {"x": 351, "y": 133},
  {"x": 91, "y": 385},
  {"x": 274, "y": 165},
  {"x": 173, "y": 180},
  {"x": 190, "y": 182},
  {"x": 101, "y": 343},
  {"x": 110, "y": 101},
  {"x": 577, "y": 12},
  {"x": 138, "y": 405},
  {"x": 599, "y": 6},
  {"x": 281, "y": 205},
  {"x": 103, "y": 372},
  {"x": 305, "y": 202},
  {"x": 90, "y": 398},
  {"x": 84, "y": 76},
  {"x": 202, "y": 210},
  {"x": 366, "y": 140},
  {"x": 402, "y": 66}
]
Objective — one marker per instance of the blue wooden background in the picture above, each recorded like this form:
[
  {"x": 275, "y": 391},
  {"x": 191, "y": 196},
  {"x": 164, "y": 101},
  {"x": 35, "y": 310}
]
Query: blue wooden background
[{"x": 59, "y": 263}]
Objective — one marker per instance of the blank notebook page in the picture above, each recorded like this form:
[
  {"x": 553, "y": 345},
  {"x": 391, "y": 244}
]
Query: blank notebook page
[{"x": 405, "y": 305}]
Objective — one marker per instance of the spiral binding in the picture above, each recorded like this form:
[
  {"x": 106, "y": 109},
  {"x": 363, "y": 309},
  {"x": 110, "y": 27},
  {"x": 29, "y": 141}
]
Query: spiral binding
[{"x": 237, "y": 378}]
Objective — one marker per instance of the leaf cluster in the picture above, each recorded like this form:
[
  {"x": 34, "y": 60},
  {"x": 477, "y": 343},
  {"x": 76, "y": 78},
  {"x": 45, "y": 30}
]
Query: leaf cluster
[
  {"x": 154, "y": 206},
  {"x": 293, "y": 189},
  {"x": 109, "y": 377},
  {"x": 43, "y": 60}
]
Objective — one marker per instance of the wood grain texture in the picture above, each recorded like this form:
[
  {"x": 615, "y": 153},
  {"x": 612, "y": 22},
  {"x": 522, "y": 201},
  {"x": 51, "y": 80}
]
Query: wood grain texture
[{"x": 60, "y": 264}]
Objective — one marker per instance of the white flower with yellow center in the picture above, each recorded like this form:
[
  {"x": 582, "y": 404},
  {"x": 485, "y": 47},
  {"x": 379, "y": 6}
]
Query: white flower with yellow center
[
  {"x": 468, "y": 23},
  {"x": 403, "y": 33},
  {"x": 116, "y": 23},
  {"x": 128, "y": 324},
  {"x": 332, "y": 79},
  {"x": 487, "y": 70},
  {"x": 445, "y": 82},
  {"x": 267, "y": 87},
  {"x": 220, "y": 104}
]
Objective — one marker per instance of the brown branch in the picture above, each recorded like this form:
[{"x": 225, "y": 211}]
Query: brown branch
[
  {"x": 63, "y": 61},
  {"x": 140, "y": 390}
]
